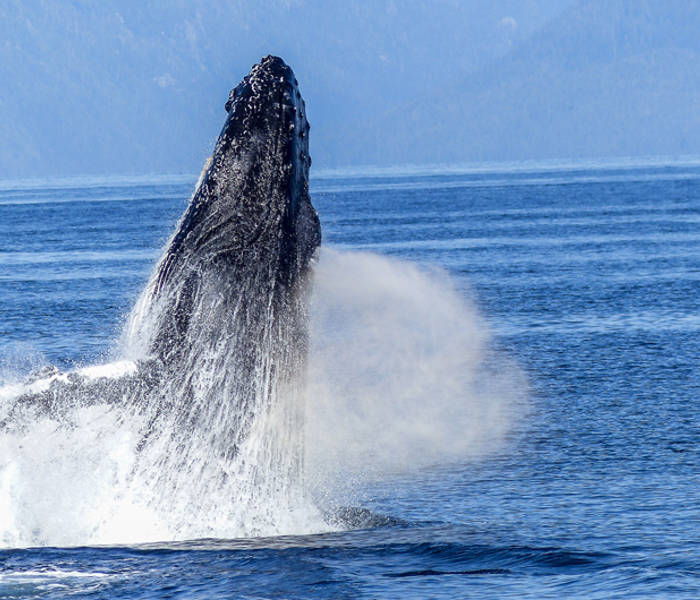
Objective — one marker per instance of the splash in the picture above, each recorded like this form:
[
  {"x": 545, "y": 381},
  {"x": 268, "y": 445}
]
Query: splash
[
  {"x": 400, "y": 376},
  {"x": 403, "y": 373}
]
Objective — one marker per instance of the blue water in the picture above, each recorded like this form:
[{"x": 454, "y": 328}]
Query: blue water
[{"x": 590, "y": 279}]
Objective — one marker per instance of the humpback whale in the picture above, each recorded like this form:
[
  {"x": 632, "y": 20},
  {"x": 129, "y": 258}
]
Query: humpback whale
[
  {"x": 232, "y": 281},
  {"x": 244, "y": 244},
  {"x": 214, "y": 350}
]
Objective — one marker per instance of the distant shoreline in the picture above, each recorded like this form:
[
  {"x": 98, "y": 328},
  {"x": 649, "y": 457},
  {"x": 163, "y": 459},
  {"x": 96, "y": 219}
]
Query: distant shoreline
[{"x": 369, "y": 172}]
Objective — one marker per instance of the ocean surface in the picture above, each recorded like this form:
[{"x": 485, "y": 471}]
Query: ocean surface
[{"x": 588, "y": 281}]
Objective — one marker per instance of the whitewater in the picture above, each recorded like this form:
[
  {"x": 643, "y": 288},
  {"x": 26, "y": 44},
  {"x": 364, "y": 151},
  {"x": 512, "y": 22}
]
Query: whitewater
[{"x": 400, "y": 377}]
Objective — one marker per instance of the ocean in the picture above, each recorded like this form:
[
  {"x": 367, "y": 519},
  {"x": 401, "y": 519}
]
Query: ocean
[{"x": 518, "y": 410}]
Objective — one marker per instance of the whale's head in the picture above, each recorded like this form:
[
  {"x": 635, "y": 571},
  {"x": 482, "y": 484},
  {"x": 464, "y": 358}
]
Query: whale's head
[
  {"x": 250, "y": 232},
  {"x": 266, "y": 141},
  {"x": 252, "y": 203},
  {"x": 253, "y": 196},
  {"x": 221, "y": 332}
]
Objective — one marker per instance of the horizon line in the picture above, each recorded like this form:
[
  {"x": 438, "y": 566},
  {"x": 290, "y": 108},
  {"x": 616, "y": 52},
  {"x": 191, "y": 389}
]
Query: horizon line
[{"x": 372, "y": 171}]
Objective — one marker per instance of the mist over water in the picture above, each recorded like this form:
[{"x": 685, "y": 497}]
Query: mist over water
[
  {"x": 401, "y": 375},
  {"x": 402, "y": 371}
]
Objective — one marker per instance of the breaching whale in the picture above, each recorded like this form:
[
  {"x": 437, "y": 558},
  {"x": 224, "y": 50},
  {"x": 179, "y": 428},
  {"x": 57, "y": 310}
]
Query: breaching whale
[
  {"x": 214, "y": 350},
  {"x": 242, "y": 248}
]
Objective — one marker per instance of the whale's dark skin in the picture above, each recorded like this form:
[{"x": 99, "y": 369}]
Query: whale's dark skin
[
  {"x": 222, "y": 324},
  {"x": 251, "y": 216}
]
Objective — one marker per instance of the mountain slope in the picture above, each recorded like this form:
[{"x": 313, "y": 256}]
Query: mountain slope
[
  {"x": 126, "y": 87},
  {"x": 605, "y": 78}
]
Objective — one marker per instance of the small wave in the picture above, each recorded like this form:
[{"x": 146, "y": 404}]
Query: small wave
[
  {"x": 459, "y": 558},
  {"x": 433, "y": 572},
  {"x": 51, "y": 582},
  {"x": 42, "y": 576},
  {"x": 109, "y": 370}
]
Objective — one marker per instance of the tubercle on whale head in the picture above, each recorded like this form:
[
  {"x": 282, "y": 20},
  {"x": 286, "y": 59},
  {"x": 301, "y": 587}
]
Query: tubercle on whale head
[
  {"x": 269, "y": 94},
  {"x": 266, "y": 129}
]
